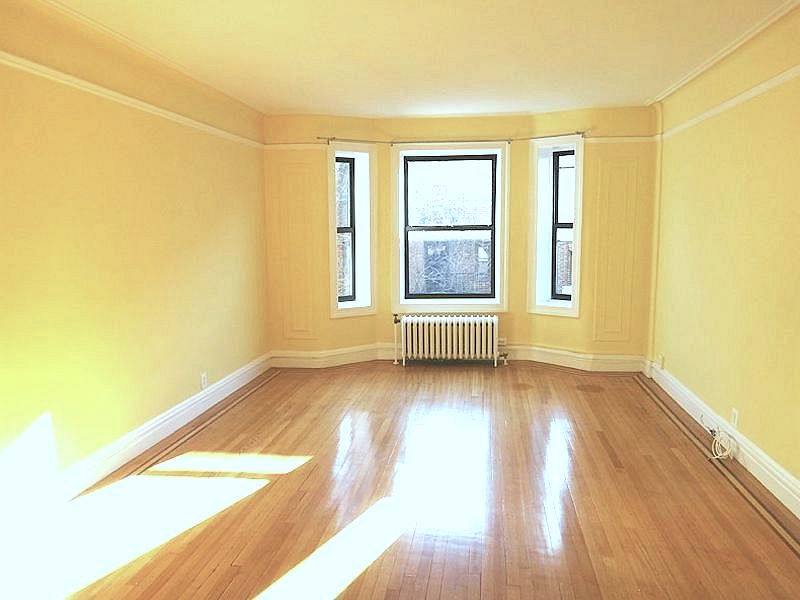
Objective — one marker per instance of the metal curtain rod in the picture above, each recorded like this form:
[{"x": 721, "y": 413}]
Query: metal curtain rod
[{"x": 393, "y": 142}]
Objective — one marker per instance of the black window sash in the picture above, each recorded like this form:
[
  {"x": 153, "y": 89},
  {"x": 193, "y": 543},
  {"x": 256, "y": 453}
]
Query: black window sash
[
  {"x": 557, "y": 224},
  {"x": 490, "y": 228},
  {"x": 351, "y": 229}
]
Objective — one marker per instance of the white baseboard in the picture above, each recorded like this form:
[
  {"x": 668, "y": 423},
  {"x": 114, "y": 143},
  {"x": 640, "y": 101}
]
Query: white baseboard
[
  {"x": 85, "y": 473},
  {"x": 305, "y": 359},
  {"x": 317, "y": 359},
  {"x": 577, "y": 360},
  {"x": 782, "y": 484}
]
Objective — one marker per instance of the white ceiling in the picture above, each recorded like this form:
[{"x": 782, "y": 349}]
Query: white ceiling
[{"x": 434, "y": 57}]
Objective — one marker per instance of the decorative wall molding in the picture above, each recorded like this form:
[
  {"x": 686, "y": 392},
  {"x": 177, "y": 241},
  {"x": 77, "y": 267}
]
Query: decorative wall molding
[
  {"x": 617, "y": 201},
  {"x": 29, "y": 66},
  {"x": 85, "y": 473},
  {"x": 293, "y": 196},
  {"x": 754, "y": 91},
  {"x": 771, "y": 18},
  {"x": 622, "y": 139},
  {"x": 782, "y": 484},
  {"x": 295, "y": 146}
]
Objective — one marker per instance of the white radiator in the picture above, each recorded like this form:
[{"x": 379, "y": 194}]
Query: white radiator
[{"x": 449, "y": 337}]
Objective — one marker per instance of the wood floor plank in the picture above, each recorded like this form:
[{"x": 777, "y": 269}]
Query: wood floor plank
[{"x": 525, "y": 481}]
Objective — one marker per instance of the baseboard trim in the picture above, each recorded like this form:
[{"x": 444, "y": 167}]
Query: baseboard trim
[
  {"x": 82, "y": 475},
  {"x": 577, "y": 360},
  {"x": 781, "y": 484},
  {"x": 316, "y": 359},
  {"x": 319, "y": 359}
]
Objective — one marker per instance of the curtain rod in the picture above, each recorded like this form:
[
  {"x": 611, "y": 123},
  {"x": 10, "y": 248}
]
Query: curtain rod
[{"x": 393, "y": 142}]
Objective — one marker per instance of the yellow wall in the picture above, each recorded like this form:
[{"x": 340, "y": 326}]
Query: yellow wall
[
  {"x": 138, "y": 252},
  {"x": 133, "y": 253},
  {"x": 616, "y": 255},
  {"x": 728, "y": 283}
]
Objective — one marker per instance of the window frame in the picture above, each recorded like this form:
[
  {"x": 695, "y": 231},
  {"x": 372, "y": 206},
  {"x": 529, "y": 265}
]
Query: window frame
[
  {"x": 491, "y": 228},
  {"x": 540, "y": 253},
  {"x": 366, "y": 209},
  {"x": 351, "y": 229},
  {"x": 498, "y": 304},
  {"x": 557, "y": 154}
]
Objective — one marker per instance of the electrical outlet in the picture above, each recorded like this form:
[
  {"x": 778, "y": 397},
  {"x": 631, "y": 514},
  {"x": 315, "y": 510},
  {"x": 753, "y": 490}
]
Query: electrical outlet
[
  {"x": 735, "y": 417},
  {"x": 501, "y": 341},
  {"x": 203, "y": 380},
  {"x": 660, "y": 361}
]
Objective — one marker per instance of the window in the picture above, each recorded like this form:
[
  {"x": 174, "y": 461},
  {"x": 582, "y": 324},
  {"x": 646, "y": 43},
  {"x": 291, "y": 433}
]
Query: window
[
  {"x": 449, "y": 235},
  {"x": 352, "y": 195},
  {"x": 450, "y": 206},
  {"x": 345, "y": 228},
  {"x": 563, "y": 224},
  {"x": 556, "y": 172}
]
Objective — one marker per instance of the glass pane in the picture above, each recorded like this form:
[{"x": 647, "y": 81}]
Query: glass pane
[
  {"x": 449, "y": 262},
  {"x": 344, "y": 264},
  {"x": 343, "y": 194},
  {"x": 566, "y": 191},
  {"x": 564, "y": 239},
  {"x": 450, "y": 192},
  {"x": 566, "y": 160}
]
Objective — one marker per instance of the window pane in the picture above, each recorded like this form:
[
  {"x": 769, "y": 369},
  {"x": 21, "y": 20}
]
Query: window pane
[
  {"x": 566, "y": 160},
  {"x": 563, "y": 274},
  {"x": 449, "y": 262},
  {"x": 450, "y": 192},
  {"x": 566, "y": 191},
  {"x": 344, "y": 264},
  {"x": 342, "y": 194}
]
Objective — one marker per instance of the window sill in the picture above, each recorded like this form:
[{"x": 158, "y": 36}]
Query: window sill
[
  {"x": 558, "y": 308},
  {"x": 450, "y": 306},
  {"x": 352, "y": 309}
]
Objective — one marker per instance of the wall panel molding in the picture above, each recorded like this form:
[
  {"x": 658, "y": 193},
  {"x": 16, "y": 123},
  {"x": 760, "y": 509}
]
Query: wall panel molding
[{"x": 616, "y": 250}]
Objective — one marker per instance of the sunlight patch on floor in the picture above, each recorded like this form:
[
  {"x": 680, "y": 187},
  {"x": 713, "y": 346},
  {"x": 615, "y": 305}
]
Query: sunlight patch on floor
[
  {"x": 228, "y": 462},
  {"x": 327, "y": 571},
  {"x": 106, "y": 529},
  {"x": 30, "y": 511},
  {"x": 443, "y": 474}
]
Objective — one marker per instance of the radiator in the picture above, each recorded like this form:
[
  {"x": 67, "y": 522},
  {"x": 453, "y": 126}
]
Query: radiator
[{"x": 449, "y": 337}]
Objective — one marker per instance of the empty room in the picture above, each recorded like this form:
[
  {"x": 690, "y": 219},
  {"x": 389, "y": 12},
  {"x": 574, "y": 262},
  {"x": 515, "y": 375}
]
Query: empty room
[{"x": 370, "y": 299}]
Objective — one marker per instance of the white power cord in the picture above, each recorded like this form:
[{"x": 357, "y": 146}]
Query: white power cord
[{"x": 721, "y": 445}]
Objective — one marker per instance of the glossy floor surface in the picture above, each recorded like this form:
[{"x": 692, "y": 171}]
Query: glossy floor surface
[{"x": 439, "y": 481}]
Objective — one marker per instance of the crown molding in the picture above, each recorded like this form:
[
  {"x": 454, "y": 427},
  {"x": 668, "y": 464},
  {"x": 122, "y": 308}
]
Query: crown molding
[
  {"x": 78, "y": 16},
  {"x": 757, "y": 90},
  {"x": 745, "y": 37},
  {"x": 29, "y": 66}
]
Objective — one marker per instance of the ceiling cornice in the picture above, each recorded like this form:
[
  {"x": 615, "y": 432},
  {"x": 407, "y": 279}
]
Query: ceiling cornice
[{"x": 748, "y": 35}]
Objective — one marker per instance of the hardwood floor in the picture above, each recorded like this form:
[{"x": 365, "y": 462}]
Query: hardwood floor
[{"x": 524, "y": 481}]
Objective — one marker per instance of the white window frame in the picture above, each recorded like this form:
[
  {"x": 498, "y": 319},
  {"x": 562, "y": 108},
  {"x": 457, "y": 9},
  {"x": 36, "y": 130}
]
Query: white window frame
[
  {"x": 366, "y": 198},
  {"x": 540, "y": 300},
  {"x": 497, "y": 304}
]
